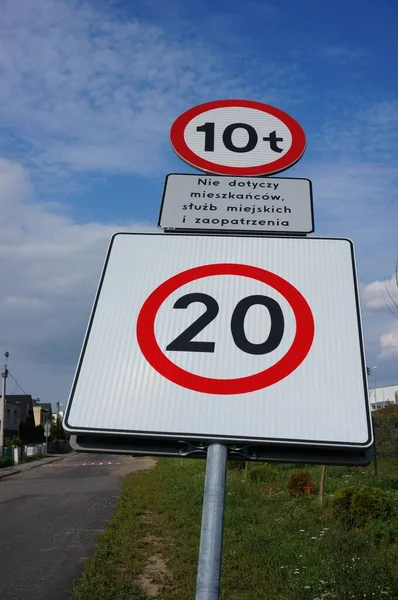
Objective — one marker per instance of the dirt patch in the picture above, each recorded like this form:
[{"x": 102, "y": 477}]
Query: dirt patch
[
  {"x": 131, "y": 464},
  {"x": 154, "y": 571},
  {"x": 152, "y": 539},
  {"x": 146, "y": 517}
]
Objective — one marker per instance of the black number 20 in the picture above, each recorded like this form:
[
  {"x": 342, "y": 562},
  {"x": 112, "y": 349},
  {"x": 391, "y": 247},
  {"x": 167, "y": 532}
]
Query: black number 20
[{"x": 184, "y": 342}]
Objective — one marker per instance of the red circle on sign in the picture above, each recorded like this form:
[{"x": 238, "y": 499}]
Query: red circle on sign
[
  {"x": 296, "y": 150},
  {"x": 297, "y": 352}
]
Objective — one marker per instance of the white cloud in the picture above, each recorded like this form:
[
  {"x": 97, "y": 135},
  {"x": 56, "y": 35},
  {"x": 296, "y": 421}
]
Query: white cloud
[
  {"x": 389, "y": 343},
  {"x": 50, "y": 268},
  {"x": 382, "y": 308},
  {"x": 83, "y": 90},
  {"x": 380, "y": 316},
  {"x": 354, "y": 199},
  {"x": 89, "y": 92},
  {"x": 340, "y": 54},
  {"x": 363, "y": 131},
  {"x": 381, "y": 294}
]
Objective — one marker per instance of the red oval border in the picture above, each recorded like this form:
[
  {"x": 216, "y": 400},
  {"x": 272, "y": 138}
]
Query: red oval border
[
  {"x": 289, "y": 159},
  {"x": 305, "y": 329}
]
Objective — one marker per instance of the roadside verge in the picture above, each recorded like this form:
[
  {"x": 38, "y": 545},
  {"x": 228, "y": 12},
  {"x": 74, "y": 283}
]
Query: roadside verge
[{"x": 8, "y": 471}]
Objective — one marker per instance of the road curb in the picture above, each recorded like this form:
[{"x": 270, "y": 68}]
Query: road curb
[{"x": 33, "y": 465}]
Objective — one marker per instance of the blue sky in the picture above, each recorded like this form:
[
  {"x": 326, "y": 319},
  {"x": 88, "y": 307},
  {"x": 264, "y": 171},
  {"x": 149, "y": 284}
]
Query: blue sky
[{"x": 88, "y": 93}]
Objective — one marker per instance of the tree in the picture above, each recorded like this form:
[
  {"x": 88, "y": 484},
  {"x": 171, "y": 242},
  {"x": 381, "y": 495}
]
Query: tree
[
  {"x": 57, "y": 432},
  {"x": 30, "y": 434},
  {"x": 322, "y": 485},
  {"x": 391, "y": 293},
  {"x": 385, "y": 422}
]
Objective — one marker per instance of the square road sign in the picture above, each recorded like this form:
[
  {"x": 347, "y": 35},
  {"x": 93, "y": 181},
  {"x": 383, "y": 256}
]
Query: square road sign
[{"x": 237, "y": 339}]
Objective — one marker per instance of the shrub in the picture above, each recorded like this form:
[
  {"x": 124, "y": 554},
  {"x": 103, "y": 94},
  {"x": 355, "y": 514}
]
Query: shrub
[
  {"x": 355, "y": 507},
  {"x": 263, "y": 473},
  {"x": 5, "y": 462},
  {"x": 300, "y": 482},
  {"x": 15, "y": 441},
  {"x": 385, "y": 532}
]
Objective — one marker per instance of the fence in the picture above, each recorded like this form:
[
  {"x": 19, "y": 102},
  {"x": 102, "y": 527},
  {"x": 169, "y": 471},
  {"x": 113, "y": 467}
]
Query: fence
[
  {"x": 22, "y": 453},
  {"x": 19, "y": 453},
  {"x": 7, "y": 451}
]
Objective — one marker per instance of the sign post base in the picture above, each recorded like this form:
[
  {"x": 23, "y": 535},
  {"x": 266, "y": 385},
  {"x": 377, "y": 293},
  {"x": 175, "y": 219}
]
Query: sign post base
[{"x": 211, "y": 535}]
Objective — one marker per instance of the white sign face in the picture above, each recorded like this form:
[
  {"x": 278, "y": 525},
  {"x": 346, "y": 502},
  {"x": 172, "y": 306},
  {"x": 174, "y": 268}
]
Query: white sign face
[
  {"x": 228, "y": 147},
  {"x": 225, "y": 338},
  {"x": 238, "y": 137},
  {"x": 258, "y": 205}
]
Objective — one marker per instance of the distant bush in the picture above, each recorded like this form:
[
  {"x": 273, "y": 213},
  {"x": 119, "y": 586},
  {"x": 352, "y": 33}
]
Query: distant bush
[
  {"x": 300, "y": 482},
  {"x": 263, "y": 473},
  {"x": 355, "y": 507},
  {"x": 5, "y": 462}
]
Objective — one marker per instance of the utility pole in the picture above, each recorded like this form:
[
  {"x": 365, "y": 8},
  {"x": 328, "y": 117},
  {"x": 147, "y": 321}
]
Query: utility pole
[
  {"x": 374, "y": 434},
  {"x": 4, "y": 375}
]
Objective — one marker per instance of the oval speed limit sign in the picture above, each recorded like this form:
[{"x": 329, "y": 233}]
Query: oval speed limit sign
[{"x": 238, "y": 137}]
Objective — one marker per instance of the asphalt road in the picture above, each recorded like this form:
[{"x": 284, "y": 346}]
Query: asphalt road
[{"x": 50, "y": 520}]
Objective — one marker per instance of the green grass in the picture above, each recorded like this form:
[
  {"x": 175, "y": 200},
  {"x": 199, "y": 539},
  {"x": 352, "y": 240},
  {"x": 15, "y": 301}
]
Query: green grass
[{"x": 275, "y": 547}]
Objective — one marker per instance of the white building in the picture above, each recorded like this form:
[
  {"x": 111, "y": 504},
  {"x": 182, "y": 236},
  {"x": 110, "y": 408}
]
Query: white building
[{"x": 381, "y": 396}]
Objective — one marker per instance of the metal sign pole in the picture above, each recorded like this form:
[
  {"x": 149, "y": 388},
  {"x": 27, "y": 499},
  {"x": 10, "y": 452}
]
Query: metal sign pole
[{"x": 210, "y": 550}]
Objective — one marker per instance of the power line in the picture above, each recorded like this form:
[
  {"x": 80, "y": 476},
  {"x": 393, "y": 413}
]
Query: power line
[{"x": 16, "y": 383}]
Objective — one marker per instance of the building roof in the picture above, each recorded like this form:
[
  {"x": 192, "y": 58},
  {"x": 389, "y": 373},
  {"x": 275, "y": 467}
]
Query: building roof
[
  {"x": 47, "y": 406},
  {"x": 383, "y": 387}
]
